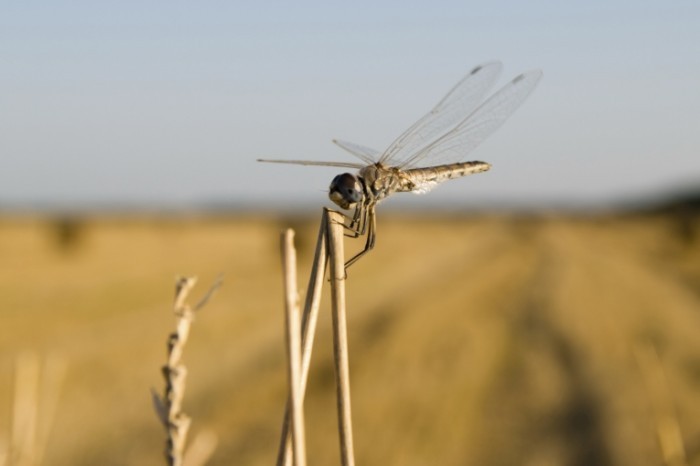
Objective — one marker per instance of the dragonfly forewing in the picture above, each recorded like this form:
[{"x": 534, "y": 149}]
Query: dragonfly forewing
[
  {"x": 460, "y": 101},
  {"x": 454, "y": 145}
]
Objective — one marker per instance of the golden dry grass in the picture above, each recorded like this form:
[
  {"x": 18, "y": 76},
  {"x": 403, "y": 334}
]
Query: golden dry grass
[{"x": 490, "y": 340}]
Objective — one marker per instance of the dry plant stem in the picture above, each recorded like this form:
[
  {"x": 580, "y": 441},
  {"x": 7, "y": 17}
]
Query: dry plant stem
[
  {"x": 308, "y": 330},
  {"x": 177, "y": 422},
  {"x": 167, "y": 408},
  {"x": 201, "y": 448},
  {"x": 53, "y": 375},
  {"x": 37, "y": 386},
  {"x": 340, "y": 340},
  {"x": 292, "y": 326},
  {"x": 312, "y": 303},
  {"x": 24, "y": 416}
]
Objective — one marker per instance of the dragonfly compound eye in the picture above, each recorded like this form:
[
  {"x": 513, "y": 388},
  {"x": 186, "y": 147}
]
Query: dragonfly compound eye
[{"x": 345, "y": 190}]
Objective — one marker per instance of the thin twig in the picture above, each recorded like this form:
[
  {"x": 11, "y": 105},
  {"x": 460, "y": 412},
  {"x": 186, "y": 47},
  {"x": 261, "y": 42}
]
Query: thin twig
[
  {"x": 201, "y": 448},
  {"x": 308, "y": 330},
  {"x": 25, "y": 406},
  {"x": 292, "y": 325},
  {"x": 331, "y": 238},
  {"x": 205, "y": 299},
  {"x": 37, "y": 387},
  {"x": 167, "y": 408},
  {"x": 340, "y": 339},
  {"x": 53, "y": 375}
]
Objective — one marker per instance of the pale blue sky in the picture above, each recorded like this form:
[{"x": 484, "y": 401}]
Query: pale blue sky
[{"x": 172, "y": 102}]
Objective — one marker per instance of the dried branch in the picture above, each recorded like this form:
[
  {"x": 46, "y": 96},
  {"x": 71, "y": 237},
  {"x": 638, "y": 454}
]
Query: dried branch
[
  {"x": 308, "y": 331},
  {"x": 168, "y": 408},
  {"x": 292, "y": 325},
  {"x": 340, "y": 338}
]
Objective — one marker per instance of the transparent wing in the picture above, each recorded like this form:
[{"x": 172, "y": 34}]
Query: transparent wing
[
  {"x": 425, "y": 186},
  {"x": 315, "y": 163},
  {"x": 462, "y": 99},
  {"x": 454, "y": 145},
  {"x": 369, "y": 156}
]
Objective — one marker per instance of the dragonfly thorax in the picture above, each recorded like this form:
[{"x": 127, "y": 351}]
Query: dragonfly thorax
[{"x": 346, "y": 190}]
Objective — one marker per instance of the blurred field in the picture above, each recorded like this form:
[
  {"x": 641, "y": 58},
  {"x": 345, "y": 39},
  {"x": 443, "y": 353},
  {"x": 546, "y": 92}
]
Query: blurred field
[{"x": 480, "y": 340}]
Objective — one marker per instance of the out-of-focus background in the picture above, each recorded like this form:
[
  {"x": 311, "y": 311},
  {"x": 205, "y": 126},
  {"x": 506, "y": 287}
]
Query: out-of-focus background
[{"x": 545, "y": 312}]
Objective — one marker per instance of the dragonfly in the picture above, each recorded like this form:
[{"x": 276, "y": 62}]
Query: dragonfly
[{"x": 429, "y": 152}]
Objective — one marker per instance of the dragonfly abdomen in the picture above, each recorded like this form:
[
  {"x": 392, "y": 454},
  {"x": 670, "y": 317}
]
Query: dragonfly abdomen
[{"x": 427, "y": 178}]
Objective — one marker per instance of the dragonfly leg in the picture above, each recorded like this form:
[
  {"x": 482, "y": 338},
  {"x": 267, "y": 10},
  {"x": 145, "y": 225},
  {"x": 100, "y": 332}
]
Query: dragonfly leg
[
  {"x": 356, "y": 220},
  {"x": 371, "y": 224},
  {"x": 358, "y": 223}
]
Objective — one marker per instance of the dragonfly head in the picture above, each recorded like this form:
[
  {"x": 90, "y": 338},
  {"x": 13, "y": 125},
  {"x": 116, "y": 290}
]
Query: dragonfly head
[{"x": 346, "y": 191}]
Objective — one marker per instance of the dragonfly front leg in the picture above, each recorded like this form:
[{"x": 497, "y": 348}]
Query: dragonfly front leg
[
  {"x": 358, "y": 222},
  {"x": 371, "y": 222}
]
